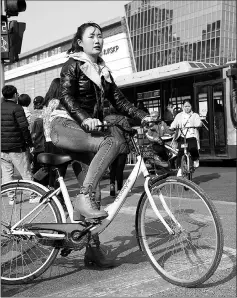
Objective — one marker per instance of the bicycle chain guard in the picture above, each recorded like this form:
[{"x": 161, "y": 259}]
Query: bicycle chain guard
[{"x": 75, "y": 238}]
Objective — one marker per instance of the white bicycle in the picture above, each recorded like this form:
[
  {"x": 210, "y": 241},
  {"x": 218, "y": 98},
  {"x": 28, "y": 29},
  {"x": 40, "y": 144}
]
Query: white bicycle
[{"x": 177, "y": 226}]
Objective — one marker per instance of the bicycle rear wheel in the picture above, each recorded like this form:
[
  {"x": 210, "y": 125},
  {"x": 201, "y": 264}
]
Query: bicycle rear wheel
[
  {"x": 192, "y": 254},
  {"x": 186, "y": 162},
  {"x": 25, "y": 257}
]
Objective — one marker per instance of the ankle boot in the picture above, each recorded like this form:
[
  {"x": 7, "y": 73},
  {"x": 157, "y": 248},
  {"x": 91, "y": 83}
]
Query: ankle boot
[
  {"x": 94, "y": 255},
  {"x": 86, "y": 206}
]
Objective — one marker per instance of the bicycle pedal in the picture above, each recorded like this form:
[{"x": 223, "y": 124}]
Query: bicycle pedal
[{"x": 65, "y": 252}]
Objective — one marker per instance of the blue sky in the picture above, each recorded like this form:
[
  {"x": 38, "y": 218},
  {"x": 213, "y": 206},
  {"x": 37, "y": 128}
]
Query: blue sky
[{"x": 47, "y": 21}]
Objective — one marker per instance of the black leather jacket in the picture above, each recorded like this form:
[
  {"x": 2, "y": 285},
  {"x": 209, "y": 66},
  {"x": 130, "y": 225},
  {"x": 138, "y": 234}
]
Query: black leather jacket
[{"x": 82, "y": 98}]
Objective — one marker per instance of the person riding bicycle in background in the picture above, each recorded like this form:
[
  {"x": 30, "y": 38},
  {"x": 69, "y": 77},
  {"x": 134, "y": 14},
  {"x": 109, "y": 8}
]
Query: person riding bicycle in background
[
  {"x": 154, "y": 134},
  {"x": 86, "y": 83},
  {"x": 187, "y": 118}
]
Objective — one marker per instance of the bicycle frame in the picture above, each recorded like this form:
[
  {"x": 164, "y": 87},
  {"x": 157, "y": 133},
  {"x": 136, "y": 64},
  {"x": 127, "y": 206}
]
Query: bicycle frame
[{"x": 112, "y": 209}]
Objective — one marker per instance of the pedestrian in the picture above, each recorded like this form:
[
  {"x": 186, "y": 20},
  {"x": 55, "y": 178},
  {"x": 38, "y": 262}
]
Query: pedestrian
[
  {"x": 24, "y": 100},
  {"x": 85, "y": 83},
  {"x": 169, "y": 113},
  {"x": 142, "y": 107},
  {"x": 154, "y": 134},
  {"x": 51, "y": 101},
  {"x": 118, "y": 165},
  {"x": 15, "y": 139},
  {"x": 38, "y": 138},
  {"x": 187, "y": 118}
]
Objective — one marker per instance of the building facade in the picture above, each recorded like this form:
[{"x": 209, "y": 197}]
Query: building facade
[
  {"x": 152, "y": 34},
  {"x": 36, "y": 69},
  {"x": 168, "y": 32}
]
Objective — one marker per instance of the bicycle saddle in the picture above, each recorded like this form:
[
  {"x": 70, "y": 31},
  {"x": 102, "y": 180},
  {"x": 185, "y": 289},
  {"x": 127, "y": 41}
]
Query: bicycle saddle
[{"x": 53, "y": 159}]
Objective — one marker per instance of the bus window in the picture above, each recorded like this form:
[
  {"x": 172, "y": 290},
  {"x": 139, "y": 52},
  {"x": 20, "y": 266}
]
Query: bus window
[
  {"x": 219, "y": 116},
  {"x": 203, "y": 109},
  {"x": 202, "y": 97},
  {"x": 233, "y": 99}
]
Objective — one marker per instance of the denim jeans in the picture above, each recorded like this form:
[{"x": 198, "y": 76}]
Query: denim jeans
[
  {"x": 68, "y": 135},
  {"x": 19, "y": 160}
]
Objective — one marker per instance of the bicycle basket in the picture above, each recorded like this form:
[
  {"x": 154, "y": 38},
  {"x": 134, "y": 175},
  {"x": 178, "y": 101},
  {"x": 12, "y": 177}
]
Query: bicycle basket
[{"x": 147, "y": 151}]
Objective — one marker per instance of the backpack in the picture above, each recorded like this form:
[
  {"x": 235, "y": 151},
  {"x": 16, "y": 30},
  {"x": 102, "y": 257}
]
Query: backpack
[{"x": 37, "y": 135}]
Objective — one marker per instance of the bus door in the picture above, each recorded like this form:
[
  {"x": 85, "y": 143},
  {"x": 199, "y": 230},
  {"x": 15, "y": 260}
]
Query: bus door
[{"x": 210, "y": 101}]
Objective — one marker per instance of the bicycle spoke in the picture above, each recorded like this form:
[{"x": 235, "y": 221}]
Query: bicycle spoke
[
  {"x": 194, "y": 248},
  {"x": 23, "y": 257}
]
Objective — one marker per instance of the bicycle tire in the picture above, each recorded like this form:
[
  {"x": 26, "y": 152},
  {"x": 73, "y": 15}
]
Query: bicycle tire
[
  {"x": 186, "y": 172},
  {"x": 163, "y": 249},
  {"x": 18, "y": 252}
]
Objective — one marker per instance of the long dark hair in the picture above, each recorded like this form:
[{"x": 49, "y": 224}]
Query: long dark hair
[
  {"x": 80, "y": 31},
  {"x": 187, "y": 100},
  {"x": 53, "y": 92}
]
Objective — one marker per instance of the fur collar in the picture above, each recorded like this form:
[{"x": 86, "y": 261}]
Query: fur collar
[{"x": 89, "y": 69}]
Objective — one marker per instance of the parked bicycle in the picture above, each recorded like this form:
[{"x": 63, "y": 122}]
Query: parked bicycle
[
  {"x": 178, "y": 230},
  {"x": 152, "y": 160},
  {"x": 187, "y": 166}
]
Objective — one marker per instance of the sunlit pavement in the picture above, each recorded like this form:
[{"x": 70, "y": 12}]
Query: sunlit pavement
[{"x": 133, "y": 276}]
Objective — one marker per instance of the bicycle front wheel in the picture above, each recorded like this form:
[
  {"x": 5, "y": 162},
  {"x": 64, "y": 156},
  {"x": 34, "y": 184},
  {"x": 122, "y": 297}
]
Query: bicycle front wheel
[
  {"x": 25, "y": 257},
  {"x": 192, "y": 254},
  {"x": 186, "y": 162}
]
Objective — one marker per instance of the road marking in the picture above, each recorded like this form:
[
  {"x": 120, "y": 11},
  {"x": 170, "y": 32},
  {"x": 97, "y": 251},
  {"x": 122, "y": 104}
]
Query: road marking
[
  {"x": 135, "y": 283},
  {"x": 106, "y": 192}
]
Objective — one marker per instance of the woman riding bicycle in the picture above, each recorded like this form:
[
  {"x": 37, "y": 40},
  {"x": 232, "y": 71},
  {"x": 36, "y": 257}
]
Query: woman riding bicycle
[
  {"x": 187, "y": 118},
  {"x": 86, "y": 83}
]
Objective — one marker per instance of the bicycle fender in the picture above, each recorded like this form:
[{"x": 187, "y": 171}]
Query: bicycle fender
[{"x": 152, "y": 180}]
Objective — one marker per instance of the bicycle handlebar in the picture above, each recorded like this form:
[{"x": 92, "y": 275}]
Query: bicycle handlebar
[
  {"x": 131, "y": 132},
  {"x": 184, "y": 127}
]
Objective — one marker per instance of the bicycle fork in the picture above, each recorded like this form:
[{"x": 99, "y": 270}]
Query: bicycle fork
[{"x": 157, "y": 212}]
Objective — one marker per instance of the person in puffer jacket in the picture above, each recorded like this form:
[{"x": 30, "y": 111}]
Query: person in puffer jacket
[
  {"x": 85, "y": 84},
  {"x": 15, "y": 138}
]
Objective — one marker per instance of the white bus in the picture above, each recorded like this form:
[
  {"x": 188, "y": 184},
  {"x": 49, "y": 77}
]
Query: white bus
[{"x": 210, "y": 88}]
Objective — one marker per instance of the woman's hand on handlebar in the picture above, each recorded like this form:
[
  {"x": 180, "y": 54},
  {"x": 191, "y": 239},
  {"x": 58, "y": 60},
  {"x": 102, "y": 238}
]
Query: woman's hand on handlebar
[{"x": 92, "y": 124}]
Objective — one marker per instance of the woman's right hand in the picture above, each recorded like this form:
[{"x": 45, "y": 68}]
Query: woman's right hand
[{"x": 90, "y": 124}]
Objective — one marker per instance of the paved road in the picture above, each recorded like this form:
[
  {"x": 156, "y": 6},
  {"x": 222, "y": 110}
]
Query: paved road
[{"x": 133, "y": 276}]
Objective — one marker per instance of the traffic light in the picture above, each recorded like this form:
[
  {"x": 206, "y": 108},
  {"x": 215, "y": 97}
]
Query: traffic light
[
  {"x": 4, "y": 38},
  {"x": 13, "y": 7},
  {"x": 15, "y": 34}
]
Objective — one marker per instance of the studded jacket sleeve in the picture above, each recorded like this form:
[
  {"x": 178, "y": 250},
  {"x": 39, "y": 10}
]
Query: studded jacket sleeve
[
  {"x": 122, "y": 105},
  {"x": 69, "y": 88}
]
